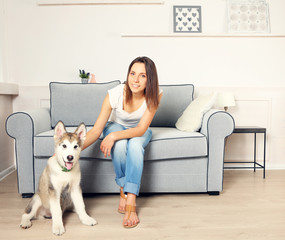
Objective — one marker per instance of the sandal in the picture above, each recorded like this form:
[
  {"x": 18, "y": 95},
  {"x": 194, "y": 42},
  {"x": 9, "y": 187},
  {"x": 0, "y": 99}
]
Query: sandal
[
  {"x": 129, "y": 209},
  {"x": 122, "y": 195}
]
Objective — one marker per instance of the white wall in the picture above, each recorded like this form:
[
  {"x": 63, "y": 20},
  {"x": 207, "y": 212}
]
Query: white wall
[
  {"x": 2, "y": 8},
  {"x": 6, "y": 143},
  {"x": 7, "y": 163},
  {"x": 50, "y": 43}
]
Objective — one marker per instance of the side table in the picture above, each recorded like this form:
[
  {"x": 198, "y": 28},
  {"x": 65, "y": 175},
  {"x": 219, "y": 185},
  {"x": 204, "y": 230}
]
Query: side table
[{"x": 254, "y": 130}]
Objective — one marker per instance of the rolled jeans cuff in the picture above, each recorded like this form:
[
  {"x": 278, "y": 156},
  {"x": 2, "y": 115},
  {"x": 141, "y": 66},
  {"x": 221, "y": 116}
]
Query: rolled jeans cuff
[
  {"x": 132, "y": 188},
  {"x": 121, "y": 181}
]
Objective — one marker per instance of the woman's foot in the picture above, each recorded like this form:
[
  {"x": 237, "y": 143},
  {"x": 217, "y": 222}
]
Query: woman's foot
[
  {"x": 131, "y": 218},
  {"x": 122, "y": 203}
]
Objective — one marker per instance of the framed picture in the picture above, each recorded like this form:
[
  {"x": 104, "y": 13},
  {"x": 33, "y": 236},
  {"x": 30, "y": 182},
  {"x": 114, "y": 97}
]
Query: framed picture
[
  {"x": 187, "y": 19},
  {"x": 250, "y": 16}
]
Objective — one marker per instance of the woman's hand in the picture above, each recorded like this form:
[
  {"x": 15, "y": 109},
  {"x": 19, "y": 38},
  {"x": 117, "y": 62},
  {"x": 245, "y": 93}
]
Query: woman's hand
[{"x": 107, "y": 144}]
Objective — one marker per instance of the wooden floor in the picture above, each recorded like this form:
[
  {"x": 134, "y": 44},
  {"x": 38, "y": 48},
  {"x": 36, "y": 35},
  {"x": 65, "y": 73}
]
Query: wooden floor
[{"x": 250, "y": 207}]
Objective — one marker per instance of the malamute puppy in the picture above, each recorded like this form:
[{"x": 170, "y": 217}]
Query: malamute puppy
[{"x": 59, "y": 186}]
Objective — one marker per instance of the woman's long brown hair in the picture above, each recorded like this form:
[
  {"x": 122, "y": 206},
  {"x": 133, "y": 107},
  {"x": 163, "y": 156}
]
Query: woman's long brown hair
[{"x": 151, "y": 91}]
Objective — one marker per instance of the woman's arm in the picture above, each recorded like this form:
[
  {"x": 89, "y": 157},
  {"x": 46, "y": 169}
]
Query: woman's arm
[
  {"x": 100, "y": 123},
  {"x": 137, "y": 131}
]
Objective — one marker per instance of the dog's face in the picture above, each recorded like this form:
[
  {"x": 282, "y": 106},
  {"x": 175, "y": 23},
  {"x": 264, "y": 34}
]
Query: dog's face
[{"x": 68, "y": 145}]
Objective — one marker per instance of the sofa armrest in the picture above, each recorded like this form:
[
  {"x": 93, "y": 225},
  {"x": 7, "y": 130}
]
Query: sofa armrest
[
  {"x": 216, "y": 126},
  {"x": 23, "y": 126}
]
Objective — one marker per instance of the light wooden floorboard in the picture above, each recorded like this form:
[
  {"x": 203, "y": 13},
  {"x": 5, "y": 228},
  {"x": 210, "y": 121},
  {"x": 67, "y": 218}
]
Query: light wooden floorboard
[{"x": 250, "y": 207}]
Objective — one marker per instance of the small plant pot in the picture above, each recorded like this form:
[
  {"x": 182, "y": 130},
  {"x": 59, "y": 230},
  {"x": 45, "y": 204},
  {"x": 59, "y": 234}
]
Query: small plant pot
[{"x": 84, "y": 80}]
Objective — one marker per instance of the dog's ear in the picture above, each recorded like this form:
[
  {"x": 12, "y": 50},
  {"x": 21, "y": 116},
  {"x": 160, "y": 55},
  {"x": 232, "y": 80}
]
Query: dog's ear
[
  {"x": 81, "y": 132},
  {"x": 59, "y": 130}
]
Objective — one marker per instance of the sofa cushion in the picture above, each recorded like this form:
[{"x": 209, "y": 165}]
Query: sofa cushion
[
  {"x": 191, "y": 119},
  {"x": 170, "y": 143},
  {"x": 174, "y": 101},
  {"x": 64, "y": 104},
  {"x": 166, "y": 143}
]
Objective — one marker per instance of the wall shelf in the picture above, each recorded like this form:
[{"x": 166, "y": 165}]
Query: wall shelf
[
  {"x": 204, "y": 35},
  {"x": 98, "y": 2}
]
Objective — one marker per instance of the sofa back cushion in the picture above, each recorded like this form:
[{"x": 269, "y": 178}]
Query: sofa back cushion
[
  {"x": 174, "y": 101},
  {"x": 74, "y": 103}
]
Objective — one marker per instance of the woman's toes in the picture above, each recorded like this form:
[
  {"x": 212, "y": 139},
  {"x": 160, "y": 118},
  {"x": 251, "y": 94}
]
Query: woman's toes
[
  {"x": 125, "y": 222},
  {"x": 131, "y": 223}
]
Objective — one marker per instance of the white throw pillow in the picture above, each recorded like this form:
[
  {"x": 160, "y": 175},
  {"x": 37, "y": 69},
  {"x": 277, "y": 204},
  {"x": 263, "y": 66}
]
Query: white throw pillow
[{"x": 191, "y": 119}]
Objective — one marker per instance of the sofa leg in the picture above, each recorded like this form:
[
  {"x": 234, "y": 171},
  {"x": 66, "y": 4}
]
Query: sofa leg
[
  {"x": 214, "y": 193},
  {"x": 27, "y": 195}
]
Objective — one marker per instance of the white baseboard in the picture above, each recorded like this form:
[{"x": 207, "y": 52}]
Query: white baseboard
[
  {"x": 7, "y": 172},
  {"x": 275, "y": 167}
]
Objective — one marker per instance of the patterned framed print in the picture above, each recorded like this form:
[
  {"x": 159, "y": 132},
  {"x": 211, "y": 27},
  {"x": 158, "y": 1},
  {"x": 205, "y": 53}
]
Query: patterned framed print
[
  {"x": 187, "y": 19},
  {"x": 248, "y": 16}
]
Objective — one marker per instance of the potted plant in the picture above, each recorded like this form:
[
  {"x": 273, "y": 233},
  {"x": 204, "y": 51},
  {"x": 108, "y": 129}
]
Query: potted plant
[{"x": 84, "y": 76}]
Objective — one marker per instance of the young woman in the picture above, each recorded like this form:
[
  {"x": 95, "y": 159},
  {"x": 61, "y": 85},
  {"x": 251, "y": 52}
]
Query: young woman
[{"x": 131, "y": 108}]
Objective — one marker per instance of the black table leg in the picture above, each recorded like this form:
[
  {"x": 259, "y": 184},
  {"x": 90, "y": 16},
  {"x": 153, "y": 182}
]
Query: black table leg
[
  {"x": 254, "y": 151},
  {"x": 264, "y": 154}
]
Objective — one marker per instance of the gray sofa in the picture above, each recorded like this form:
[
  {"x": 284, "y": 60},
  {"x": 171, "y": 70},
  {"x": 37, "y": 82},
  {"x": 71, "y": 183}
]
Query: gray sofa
[{"x": 175, "y": 161}]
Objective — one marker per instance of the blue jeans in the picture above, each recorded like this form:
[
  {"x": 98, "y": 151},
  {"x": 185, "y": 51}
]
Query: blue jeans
[{"x": 127, "y": 157}]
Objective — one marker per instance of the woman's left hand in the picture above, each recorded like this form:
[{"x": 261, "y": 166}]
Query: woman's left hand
[{"x": 107, "y": 144}]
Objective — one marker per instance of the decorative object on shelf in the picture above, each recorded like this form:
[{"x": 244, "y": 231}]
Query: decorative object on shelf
[
  {"x": 187, "y": 19},
  {"x": 84, "y": 76},
  {"x": 225, "y": 100},
  {"x": 248, "y": 16},
  {"x": 92, "y": 80}
]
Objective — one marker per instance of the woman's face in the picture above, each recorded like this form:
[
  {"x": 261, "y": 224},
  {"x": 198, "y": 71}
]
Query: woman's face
[{"x": 137, "y": 78}]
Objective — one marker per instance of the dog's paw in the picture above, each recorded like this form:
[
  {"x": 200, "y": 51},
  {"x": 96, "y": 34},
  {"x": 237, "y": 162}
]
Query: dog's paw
[
  {"x": 25, "y": 223},
  {"x": 58, "y": 229},
  {"x": 89, "y": 221}
]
